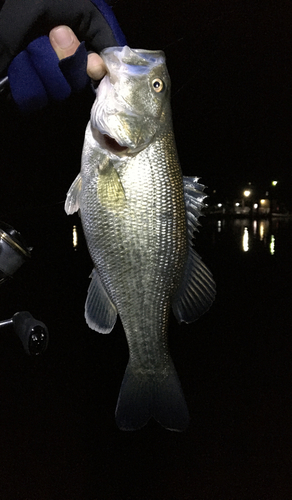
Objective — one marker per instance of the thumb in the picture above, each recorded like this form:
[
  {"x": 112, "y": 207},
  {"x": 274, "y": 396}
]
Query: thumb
[{"x": 64, "y": 41}]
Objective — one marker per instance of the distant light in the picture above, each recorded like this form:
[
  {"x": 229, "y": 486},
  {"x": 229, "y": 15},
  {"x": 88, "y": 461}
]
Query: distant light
[
  {"x": 75, "y": 237},
  {"x": 255, "y": 206},
  {"x": 237, "y": 204},
  {"x": 274, "y": 183},
  {"x": 246, "y": 193},
  {"x": 219, "y": 226},
  {"x": 219, "y": 205}
]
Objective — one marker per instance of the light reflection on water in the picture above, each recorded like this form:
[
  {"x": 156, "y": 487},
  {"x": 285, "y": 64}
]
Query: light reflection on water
[
  {"x": 249, "y": 234},
  {"x": 75, "y": 237},
  {"x": 259, "y": 234}
]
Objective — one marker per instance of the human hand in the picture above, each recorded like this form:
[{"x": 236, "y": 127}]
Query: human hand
[
  {"x": 36, "y": 74},
  {"x": 65, "y": 43},
  {"x": 92, "y": 21}
]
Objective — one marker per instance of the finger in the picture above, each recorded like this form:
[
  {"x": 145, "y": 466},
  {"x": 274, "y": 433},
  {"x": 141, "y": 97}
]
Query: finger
[
  {"x": 96, "y": 68},
  {"x": 22, "y": 22},
  {"x": 64, "y": 41}
]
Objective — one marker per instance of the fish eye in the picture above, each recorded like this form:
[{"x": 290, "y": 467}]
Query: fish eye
[{"x": 157, "y": 85}]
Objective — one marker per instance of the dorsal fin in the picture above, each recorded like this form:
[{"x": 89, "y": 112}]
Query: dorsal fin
[
  {"x": 197, "y": 290},
  {"x": 194, "y": 201}
]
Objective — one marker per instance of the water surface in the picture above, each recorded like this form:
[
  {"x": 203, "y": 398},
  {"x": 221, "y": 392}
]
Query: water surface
[{"x": 58, "y": 434}]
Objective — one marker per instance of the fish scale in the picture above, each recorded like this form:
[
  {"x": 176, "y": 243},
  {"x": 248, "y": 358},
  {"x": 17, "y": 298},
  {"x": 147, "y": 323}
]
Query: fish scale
[
  {"x": 138, "y": 215},
  {"x": 139, "y": 231}
]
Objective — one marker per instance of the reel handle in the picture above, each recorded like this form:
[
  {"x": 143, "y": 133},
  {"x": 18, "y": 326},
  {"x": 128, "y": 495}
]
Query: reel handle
[{"x": 33, "y": 333}]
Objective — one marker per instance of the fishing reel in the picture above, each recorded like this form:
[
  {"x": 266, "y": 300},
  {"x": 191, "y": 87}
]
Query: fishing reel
[{"x": 13, "y": 253}]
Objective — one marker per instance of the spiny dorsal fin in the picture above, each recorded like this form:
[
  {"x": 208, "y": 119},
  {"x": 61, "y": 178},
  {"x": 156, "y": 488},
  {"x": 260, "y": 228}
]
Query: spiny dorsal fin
[{"x": 194, "y": 201}]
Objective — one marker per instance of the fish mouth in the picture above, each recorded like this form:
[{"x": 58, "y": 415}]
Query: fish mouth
[
  {"x": 108, "y": 143},
  {"x": 113, "y": 145}
]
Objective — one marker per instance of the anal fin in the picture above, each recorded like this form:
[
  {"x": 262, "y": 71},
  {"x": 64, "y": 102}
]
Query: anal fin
[{"x": 100, "y": 311}]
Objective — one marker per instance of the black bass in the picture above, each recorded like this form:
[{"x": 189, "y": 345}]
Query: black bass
[{"x": 138, "y": 215}]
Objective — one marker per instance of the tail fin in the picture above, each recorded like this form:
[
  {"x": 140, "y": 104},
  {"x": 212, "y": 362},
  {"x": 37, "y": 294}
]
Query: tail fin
[{"x": 158, "y": 395}]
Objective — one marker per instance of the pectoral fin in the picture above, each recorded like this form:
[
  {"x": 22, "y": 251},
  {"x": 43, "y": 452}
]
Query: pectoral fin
[
  {"x": 72, "y": 200},
  {"x": 110, "y": 190},
  {"x": 100, "y": 311},
  {"x": 197, "y": 289}
]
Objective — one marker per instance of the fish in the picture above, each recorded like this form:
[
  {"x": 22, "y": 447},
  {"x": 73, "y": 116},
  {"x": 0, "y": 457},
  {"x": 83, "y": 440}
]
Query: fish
[{"x": 139, "y": 215}]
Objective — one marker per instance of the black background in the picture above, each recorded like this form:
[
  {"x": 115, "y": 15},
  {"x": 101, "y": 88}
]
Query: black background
[{"x": 230, "y": 65}]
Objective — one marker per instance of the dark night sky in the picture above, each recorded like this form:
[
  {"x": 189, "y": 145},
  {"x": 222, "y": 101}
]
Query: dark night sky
[{"x": 230, "y": 65}]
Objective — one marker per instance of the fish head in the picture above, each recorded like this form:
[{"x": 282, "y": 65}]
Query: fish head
[{"x": 132, "y": 100}]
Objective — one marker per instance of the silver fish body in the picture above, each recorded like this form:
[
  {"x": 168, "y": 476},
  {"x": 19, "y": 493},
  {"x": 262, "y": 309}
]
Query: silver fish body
[{"x": 138, "y": 215}]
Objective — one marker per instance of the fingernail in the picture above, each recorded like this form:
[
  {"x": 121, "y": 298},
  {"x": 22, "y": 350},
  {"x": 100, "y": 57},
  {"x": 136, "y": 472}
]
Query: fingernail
[{"x": 63, "y": 37}]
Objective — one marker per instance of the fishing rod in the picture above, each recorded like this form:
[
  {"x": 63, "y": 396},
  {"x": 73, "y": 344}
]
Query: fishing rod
[{"x": 4, "y": 83}]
